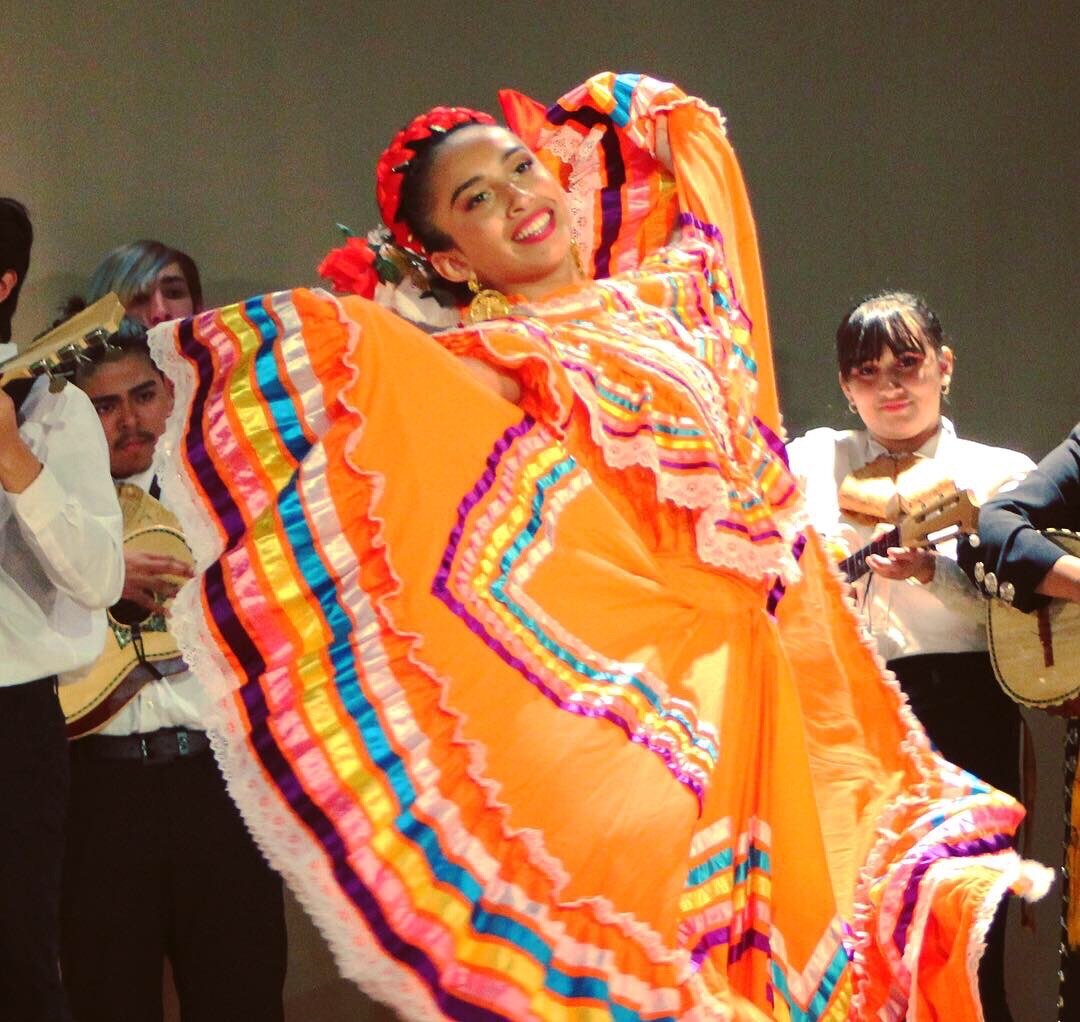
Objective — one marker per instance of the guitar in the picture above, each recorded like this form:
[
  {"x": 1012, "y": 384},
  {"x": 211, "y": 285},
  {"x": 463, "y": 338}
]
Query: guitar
[
  {"x": 138, "y": 646},
  {"x": 58, "y": 353},
  {"x": 1036, "y": 656},
  {"x": 934, "y": 521}
]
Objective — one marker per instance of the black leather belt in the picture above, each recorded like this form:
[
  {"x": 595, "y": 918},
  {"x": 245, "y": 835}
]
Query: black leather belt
[{"x": 151, "y": 749}]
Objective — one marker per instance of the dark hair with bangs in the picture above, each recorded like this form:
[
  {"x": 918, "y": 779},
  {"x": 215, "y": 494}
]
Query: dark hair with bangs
[{"x": 896, "y": 320}]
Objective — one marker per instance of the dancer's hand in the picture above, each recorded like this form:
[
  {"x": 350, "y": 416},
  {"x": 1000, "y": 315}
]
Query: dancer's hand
[{"x": 663, "y": 144}]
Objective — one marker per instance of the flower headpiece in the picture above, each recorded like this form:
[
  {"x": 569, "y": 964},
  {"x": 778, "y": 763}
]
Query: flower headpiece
[
  {"x": 389, "y": 264},
  {"x": 375, "y": 268},
  {"x": 395, "y": 160}
]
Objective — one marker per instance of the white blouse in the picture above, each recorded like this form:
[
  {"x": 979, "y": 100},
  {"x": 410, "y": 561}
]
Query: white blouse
[{"x": 905, "y": 617}]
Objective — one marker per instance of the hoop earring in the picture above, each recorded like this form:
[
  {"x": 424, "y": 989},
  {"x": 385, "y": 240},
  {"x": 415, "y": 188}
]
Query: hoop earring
[
  {"x": 851, "y": 407},
  {"x": 945, "y": 387},
  {"x": 487, "y": 303}
]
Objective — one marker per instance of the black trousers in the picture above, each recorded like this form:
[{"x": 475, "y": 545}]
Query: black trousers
[
  {"x": 33, "y": 801},
  {"x": 976, "y": 726},
  {"x": 159, "y": 864}
]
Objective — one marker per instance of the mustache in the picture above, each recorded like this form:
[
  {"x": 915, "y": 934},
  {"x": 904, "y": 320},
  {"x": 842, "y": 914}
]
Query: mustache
[{"x": 141, "y": 435}]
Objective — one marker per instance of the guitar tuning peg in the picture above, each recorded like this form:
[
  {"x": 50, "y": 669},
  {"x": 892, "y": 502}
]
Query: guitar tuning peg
[
  {"x": 96, "y": 341},
  {"x": 56, "y": 384}
]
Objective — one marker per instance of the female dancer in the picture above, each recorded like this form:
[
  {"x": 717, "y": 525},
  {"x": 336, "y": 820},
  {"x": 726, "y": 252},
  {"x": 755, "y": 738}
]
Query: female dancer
[
  {"x": 925, "y": 616},
  {"x": 529, "y": 679}
]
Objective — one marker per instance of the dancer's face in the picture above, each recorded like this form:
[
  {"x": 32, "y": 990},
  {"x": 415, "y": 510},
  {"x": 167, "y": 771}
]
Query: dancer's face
[
  {"x": 506, "y": 214},
  {"x": 898, "y": 397}
]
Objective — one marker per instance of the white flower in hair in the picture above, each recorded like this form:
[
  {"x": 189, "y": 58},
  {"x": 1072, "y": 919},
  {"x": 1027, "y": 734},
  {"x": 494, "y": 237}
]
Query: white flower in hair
[
  {"x": 416, "y": 305},
  {"x": 404, "y": 286}
]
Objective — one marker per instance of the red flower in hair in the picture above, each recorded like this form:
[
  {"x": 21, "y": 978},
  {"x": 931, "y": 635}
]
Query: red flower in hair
[
  {"x": 351, "y": 268},
  {"x": 394, "y": 162}
]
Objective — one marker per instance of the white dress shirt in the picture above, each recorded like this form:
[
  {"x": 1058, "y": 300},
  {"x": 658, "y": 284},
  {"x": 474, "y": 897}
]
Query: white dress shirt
[
  {"x": 905, "y": 617},
  {"x": 61, "y": 561},
  {"x": 171, "y": 702}
]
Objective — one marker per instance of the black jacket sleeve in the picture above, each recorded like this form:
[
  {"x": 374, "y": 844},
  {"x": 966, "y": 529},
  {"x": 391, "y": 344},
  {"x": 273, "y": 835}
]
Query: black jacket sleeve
[{"x": 1009, "y": 552}]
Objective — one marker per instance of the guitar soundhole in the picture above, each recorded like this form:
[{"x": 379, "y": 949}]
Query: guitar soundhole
[{"x": 128, "y": 612}]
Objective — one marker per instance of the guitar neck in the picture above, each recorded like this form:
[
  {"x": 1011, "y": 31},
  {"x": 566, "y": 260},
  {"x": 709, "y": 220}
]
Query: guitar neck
[
  {"x": 854, "y": 567},
  {"x": 59, "y": 351}
]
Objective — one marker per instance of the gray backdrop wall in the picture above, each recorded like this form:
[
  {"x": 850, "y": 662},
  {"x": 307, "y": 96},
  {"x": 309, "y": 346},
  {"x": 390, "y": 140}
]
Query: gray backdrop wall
[{"x": 923, "y": 145}]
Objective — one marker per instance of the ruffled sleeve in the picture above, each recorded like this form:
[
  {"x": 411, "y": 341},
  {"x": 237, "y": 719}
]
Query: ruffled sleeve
[
  {"x": 524, "y": 348},
  {"x": 601, "y": 139}
]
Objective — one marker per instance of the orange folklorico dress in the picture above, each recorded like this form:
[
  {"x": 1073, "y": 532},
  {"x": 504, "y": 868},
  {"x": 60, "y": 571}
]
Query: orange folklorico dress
[{"x": 556, "y": 711}]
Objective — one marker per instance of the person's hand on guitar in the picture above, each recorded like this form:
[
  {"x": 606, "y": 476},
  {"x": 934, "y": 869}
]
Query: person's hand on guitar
[
  {"x": 839, "y": 544},
  {"x": 901, "y": 562},
  {"x": 150, "y": 578},
  {"x": 1062, "y": 581},
  {"x": 18, "y": 466}
]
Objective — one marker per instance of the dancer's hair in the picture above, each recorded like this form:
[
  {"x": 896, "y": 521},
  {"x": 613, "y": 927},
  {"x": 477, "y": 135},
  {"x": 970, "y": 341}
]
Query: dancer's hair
[{"x": 403, "y": 176}]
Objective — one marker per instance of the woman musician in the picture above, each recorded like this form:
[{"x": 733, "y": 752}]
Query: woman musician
[{"x": 925, "y": 616}]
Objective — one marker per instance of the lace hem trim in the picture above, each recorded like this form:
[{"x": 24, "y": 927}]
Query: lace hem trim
[{"x": 1029, "y": 879}]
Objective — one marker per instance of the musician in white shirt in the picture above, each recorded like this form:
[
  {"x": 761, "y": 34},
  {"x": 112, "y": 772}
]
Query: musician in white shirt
[
  {"x": 60, "y": 566},
  {"x": 146, "y": 788},
  {"x": 906, "y": 616},
  {"x": 921, "y": 610}
]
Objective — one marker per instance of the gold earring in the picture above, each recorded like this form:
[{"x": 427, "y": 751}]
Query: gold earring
[
  {"x": 576, "y": 253},
  {"x": 945, "y": 386},
  {"x": 851, "y": 407},
  {"x": 487, "y": 303}
]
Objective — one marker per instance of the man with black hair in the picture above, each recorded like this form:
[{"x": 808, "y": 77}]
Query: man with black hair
[
  {"x": 16, "y": 237},
  {"x": 146, "y": 789},
  {"x": 60, "y": 566}
]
